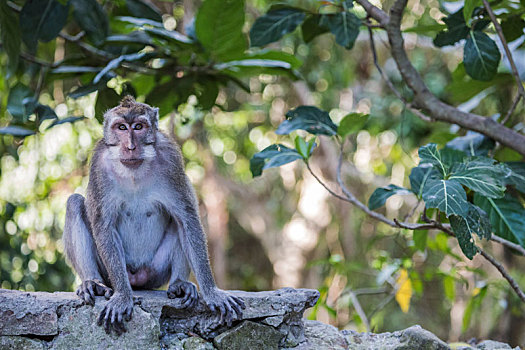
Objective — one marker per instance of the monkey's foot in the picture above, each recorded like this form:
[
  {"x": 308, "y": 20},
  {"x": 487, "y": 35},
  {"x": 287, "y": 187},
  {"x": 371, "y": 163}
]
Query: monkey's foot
[
  {"x": 91, "y": 288},
  {"x": 229, "y": 307},
  {"x": 118, "y": 309},
  {"x": 185, "y": 290}
]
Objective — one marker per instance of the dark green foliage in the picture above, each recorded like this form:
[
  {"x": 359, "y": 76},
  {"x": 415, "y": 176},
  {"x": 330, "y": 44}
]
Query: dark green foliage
[
  {"x": 512, "y": 28},
  {"x": 308, "y": 118},
  {"x": 381, "y": 194},
  {"x": 419, "y": 176},
  {"x": 312, "y": 27},
  {"x": 516, "y": 176},
  {"x": 274, "y": 24},
  {"x": 481, "y": 175},
  {"x": 456, "y": 30},
  {"x": 272, "y": 156},
  {"x": 42, "y": 20},
  {"x": 15, "y": 102},
  {"x": 473, "y": 144},
  {"x": 344, "y": 25},
  {"x": 92, "y": 18},
  {"x": 445, "y": 195},
  {"x": 144, "y": 9},
  {"x": 481, "y": 56},
  {"x": 10, "y": 34}
]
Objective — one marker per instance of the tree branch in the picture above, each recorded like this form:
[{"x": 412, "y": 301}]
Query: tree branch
[
  {"x": 499, "y": 30},
  {"x": 422, "y": 95}
]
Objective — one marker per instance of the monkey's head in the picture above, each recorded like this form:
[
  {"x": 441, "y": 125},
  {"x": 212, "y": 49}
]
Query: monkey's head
[{"x": 130, "y": 130}]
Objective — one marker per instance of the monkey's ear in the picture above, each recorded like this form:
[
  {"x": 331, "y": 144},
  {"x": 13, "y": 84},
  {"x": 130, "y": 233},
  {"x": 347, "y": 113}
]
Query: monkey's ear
[{"x": 156, "y": 116}]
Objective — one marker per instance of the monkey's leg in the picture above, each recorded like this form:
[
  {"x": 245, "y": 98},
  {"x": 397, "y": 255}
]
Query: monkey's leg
[
  {"x": 179, "y": 286},
  {"x": 81, "y": 251}
]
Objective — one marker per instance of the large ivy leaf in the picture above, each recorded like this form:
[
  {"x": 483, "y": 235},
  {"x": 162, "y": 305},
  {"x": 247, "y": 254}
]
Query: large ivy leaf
[
  {"x": 506, "y": 215},
  {"x": 481, "y": 56},
  {"x": 312, "y": 27},
  {"x": 475, "y": 222},
  {"x": 9, "y": 34},
  {"x": 445, "y": 195},
  {"x": 143, "y": 9},
  {"x": 473, "y": 144},
  {"x": 419, "y": 176},
  {"x": 15, "y": 102},
  {"x": 352, "y": 123},
  {"x": 42, "y": 20},
  {"x": 218, "y": 27},
  {"x": 482, "y": 175},
  {"x": 308, "y": 118},
  {"x": 456, "y": 30},
  {"x": 442, "y": 160},
  {"x": 380, "y": 195},
  {"x": 16, "y": 131},
  {"x": 517, "y": 175},
  {"x": 92, "y": 18},
  {"x": 274, "y": 24},
  {"x": 344, "y": 25},
  {"x": 272, "y": 156}
]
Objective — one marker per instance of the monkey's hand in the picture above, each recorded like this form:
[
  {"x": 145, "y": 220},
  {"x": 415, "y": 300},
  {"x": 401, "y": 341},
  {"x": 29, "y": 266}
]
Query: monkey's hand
[
  {"x": 91, "y": 288},
  {"x": 228, "y": 306},
  {"x": 117, "y": 310},
  {"x": 185, "y": 290}
]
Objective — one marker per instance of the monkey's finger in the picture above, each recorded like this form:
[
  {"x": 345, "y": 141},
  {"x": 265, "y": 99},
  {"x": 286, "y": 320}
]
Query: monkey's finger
[
  {"x": 101, "y": 316},
  {"x": 108, "y": 293},
  {"x": 90, "y": 292},
  {"x": 237, "y": 308},
  {"x": 129, "y": 312},
  {"x": 239, "y": 301},
  {"x": 107, "y": 321},
  {"x": 222, "y": 310}
]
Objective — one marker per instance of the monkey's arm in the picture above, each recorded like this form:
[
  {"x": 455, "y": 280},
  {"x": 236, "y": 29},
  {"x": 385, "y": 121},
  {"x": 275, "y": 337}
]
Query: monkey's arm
[{"x": 193, "y": 239}]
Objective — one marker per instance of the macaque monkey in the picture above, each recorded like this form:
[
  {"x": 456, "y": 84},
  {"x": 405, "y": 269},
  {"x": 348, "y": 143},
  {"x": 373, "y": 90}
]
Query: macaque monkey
[{"x": 139, "y": 225}]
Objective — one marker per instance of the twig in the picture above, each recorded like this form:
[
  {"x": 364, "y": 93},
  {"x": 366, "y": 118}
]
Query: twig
[
  {"x": 504, "y": 273},
  {"x": 499, "y": 30},
  {"x": 359, "y": 310},
  {"x": 508, "y": 244},
  {"x": 36, "y": 60},
  {"x": 512, "y": 108},
  {"x": 389, "y": 82}
]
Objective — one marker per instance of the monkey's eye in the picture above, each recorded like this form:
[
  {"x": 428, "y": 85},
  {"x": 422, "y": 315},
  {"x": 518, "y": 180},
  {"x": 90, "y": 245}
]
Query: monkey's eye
[
  {"x": 138, "y": 126},
  {"x": 122, "y": 127}
]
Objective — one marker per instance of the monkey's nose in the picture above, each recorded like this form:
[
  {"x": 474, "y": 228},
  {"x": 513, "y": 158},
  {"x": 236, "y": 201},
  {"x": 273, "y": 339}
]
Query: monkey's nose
[{"x": 132, "y": 147}]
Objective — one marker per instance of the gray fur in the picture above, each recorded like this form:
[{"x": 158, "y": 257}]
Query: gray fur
[{"x": 139, "y": 225}]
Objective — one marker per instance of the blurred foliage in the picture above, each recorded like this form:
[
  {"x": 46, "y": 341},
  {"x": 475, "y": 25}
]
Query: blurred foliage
[{"x": 224, "y": 98}]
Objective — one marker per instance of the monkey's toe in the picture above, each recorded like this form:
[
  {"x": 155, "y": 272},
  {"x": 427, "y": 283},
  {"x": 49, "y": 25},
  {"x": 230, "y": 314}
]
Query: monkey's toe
[
  {"x": 91, "y": 288},
  {"x": 186, "y": 291}
]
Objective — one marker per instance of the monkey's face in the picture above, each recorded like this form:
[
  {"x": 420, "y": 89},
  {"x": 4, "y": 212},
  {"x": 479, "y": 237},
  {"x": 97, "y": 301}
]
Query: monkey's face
[{"x": 130, "y": 132}]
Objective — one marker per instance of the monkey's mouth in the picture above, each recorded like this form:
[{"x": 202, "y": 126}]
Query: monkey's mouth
[{"x": 132, "y": 163}]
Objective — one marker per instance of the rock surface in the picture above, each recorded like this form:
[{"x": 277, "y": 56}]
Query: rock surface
[{"x": 272, "y": 320}]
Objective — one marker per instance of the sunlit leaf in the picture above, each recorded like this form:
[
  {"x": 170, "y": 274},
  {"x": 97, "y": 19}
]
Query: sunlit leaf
[
  {"x": 420, "y": 239},
  {"x": 274, "y": 24},
  {"x": 469, "y": 7},
  {"x": 473, "y": 304},
  {"x": 482, "y": 175},
  {"x": 445, "y": 195},
  {"x": 272, "y": 156},
  {"x": 449, "y": 286},
  {"x": 352, "y": 123},
  {"x": 380, "y": 195},
  {"x": 481, "y": 56},
  {"x": 404, "y": 290},
  {"x": 308, "y": 118}
]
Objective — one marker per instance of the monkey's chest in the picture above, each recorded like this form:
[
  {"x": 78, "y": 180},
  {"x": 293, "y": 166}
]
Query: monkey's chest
[{"x": 141, "y": 229}]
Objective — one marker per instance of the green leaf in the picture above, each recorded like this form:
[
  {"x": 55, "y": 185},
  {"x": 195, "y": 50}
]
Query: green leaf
[
  {"x": 272, "y": 55},
  {"x": 380, "y": 195},
  {"x": 429, "y": 154},
  {"x": 42, "y": 20},
  {"x": 301, "y": 147},
  {"x": 272, "y": 156},
  {"x": 44, "y": 112},
  {"x": 470, "y": 5},
  {"x": 456, "y": 30},
  {"x": 445, "y": 195},
  {"x": 143, "y": 9},
  {"x": 116, "y": 62},
  {"x": 135, "y": 37},
  {"x": 482, "y": 175},
  {"x": 16, "y": 131},
  {"x": 170, "y": 35},
  {"x": 420, "y": 239},
  {"x": 218, "y": 27},
  {"x": 15, "y": 102},
  {"x": 89, "y": 88},
  {"x": 106, "y": 98},
  {"x": 10, "y": 35},
  {"x": 431, "y": 29},
  {"x": 140, "y": 22},
  {"x": 207, "y": 93},
  {"x": 473, "y": 144},
  {"x": 419, "y": 176},
  {"x": 274, "y": 25},
  {"x": 512, "y": 28},
  {"x": 475, "y": 222},
  {"x": 308, "y": 118},
  {"x": 517, "y": 175},
  {"x": 64, "y": 121},
  {"x": 506, "y": 215},
  {"x": 473, "y": 304},
  {"x": 352, "y": 123},
  {"x": 481, "y": 56},
  {"x": 345, "y": 26},
  {"x": 312, "y": 27},
  {"x": 92, "y": 18}
]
